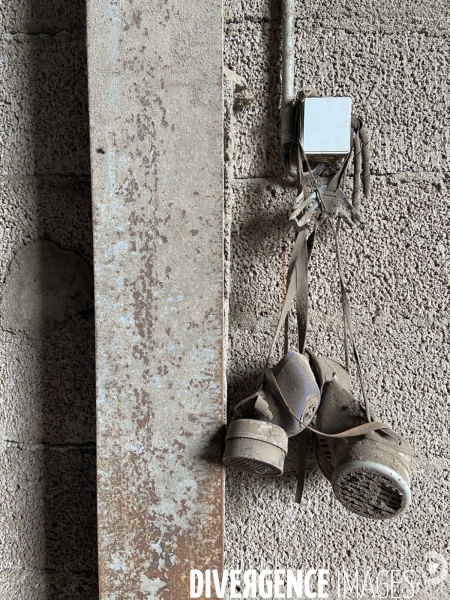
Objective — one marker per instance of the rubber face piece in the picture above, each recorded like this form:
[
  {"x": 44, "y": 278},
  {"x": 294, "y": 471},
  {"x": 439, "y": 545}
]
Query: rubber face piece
[
  {"x": 256, "y": 447},
  {"x": 298, "y": 385},
  {"x": 371, "y": 490}
]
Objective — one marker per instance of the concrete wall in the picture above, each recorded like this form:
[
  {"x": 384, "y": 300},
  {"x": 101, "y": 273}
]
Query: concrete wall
[
  {"x": 47, "y": 384},
  {"x": 393, "y": 59}
]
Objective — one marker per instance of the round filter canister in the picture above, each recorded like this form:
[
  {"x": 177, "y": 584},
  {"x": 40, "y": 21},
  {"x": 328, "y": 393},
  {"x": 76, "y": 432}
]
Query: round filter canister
[{"x": 256, "y": 447}]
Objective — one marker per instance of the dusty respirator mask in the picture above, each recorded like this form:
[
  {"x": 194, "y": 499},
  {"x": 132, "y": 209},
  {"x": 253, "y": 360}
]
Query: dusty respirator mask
[
  {"x": 367, "y": 463},
  {"x": 258, "y": 441},
  {"x": 370, "y": 473}
]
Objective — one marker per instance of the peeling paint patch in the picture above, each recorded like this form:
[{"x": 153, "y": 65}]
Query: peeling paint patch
[{"x": 158, "y": 242}]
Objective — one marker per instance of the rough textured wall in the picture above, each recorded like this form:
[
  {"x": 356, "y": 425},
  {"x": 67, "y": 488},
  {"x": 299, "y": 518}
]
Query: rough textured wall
[
  {"x": 393, "y": 59},
  {"x": 47, "y": 385}
]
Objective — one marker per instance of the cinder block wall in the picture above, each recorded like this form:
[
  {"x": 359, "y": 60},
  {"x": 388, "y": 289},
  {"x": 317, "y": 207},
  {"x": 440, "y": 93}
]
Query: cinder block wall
[
  {"x": 47, "y": 384},
  {"x": 393, "y": 59}
]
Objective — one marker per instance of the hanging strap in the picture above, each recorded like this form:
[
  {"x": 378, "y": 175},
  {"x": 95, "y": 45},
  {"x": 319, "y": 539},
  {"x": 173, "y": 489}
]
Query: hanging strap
[
  {"x": 348, "y": 325},
  {"x": 297, "y": 283},
  {"x": 361, "y": 158},
  {"x": 301, "y": 294},
  {"x": 301, "y": 474},
  {"x": 296, "y": 286}
]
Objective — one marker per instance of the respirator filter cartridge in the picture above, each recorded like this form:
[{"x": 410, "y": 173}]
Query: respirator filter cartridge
[
  {"x": 371, "y": 473},
  {"x": 256, "y": 446}
]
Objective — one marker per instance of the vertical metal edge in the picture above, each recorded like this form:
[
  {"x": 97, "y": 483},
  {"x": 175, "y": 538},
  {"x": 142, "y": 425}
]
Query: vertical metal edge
[{"x": 160, "y": 478}]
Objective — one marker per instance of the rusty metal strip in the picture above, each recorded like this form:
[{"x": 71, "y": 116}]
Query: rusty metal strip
[{"x": 156, "y": 147}]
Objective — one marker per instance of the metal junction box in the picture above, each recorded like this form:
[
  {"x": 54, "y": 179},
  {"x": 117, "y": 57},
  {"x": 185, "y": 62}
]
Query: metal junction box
[{"x": 326, "y": 127}]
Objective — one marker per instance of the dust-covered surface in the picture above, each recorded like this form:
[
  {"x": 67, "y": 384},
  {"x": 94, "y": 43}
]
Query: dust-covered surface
[
  {"x": 393, "y": 61},
  {"x": 47, "y": 380}
]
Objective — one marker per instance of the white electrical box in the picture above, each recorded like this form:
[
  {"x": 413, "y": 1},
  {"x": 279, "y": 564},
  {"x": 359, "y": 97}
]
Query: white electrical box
[{"x": 326, "y": 127}]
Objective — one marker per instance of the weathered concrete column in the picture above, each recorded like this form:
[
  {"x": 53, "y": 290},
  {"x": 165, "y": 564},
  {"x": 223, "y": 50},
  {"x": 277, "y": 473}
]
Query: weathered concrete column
[{"x": 156, "y": 146}]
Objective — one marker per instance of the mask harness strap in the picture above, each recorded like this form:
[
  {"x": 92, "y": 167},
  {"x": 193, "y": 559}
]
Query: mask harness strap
[{"x": 328, "y": 206}]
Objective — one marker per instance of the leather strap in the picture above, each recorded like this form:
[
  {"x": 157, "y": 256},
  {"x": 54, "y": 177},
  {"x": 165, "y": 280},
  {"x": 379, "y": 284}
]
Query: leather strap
[
  {"x": 301, "y": 294},
  {"x": 301, "y": 475},
  {"x": 300, "y": 246}
]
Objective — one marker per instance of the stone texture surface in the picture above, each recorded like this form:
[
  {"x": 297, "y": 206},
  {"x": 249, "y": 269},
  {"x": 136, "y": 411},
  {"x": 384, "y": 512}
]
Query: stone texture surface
[
  {"x": 394, "y": 89},
  {"x": 48, "y": 508},
  {"x": 45, "y": 286},
  {"x": 34, "y": 584},
  {"x": 48, "y": 383},
  {"x": 54, "y": 208},
  {"x": 47, "y": 371},
  {"x": 269, "y": 531},
  {"x": 49, "y": 16},
  {"x": 392, "y": 60},
  {"x": 43, "y": 115},
  {"x": 432, "y": 18}
]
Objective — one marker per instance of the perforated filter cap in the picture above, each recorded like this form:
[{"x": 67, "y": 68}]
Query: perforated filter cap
[
  {"x": 256, "y": 447},
  {"x": 370, "y": 473},
  {"x": 371, "y": 489}
]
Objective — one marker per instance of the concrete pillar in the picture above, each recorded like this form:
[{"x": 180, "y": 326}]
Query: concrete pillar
[{"x": 155, "y": 79}]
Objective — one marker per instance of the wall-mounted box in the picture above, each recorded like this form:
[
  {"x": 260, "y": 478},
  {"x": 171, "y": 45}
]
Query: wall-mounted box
[{"x": 326, "y": 127}]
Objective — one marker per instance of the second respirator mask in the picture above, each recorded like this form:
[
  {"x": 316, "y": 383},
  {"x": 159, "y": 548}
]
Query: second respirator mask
[{"x": 371, "y": 472}]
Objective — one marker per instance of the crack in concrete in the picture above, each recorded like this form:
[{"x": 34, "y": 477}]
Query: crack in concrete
[
  {"x": 289, "y": 183},
  {"x": 39, "y": 446},
  {"x": 56, "y": 176},
  {"x": 50, "y": 571},
  {"x": 347, "y": 30},
  {"x": 20, "y": 35}
]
